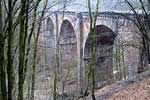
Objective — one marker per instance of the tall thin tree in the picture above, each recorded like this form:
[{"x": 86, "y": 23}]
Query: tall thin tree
[{"x": 2, "y": 63}]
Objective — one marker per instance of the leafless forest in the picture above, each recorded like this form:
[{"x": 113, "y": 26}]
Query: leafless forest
[{"x": 74, "y": 50}]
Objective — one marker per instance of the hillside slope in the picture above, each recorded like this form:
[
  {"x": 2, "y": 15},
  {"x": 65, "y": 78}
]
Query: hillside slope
[{"x": 137, "y": 88}]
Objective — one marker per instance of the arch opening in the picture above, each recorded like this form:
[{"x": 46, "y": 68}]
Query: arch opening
[
  {"x": 103, "y": 59},
  {"x": 49, "y": 27},
  {"x": 49, "y": 43},
  {"x": 68, "y": 53}
]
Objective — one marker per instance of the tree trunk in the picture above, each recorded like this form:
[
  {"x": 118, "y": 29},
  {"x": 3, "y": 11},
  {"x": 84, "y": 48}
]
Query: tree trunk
[
  {"x": 21, "y": 50},
  {"x": 10, "y": 72},
  {"x": 2, "y": 65},
  {"x": 91, "y": 73},
  {"x": 36, "y": 38}
]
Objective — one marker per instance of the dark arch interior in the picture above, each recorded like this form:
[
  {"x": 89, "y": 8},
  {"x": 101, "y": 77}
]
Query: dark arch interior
[
  {"x": 50, "y": 27},
  {"x": 104, "y": 36},
  {"x": 104, "y": 49},
  {"x": 68, "y": 43},
  {"x": 68, "y": 53},
  {"x": 49, "y": 35},
  {"x": 67, "y": 33}
]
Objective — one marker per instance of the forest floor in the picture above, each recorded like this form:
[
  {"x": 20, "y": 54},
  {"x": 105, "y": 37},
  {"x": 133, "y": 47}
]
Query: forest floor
[{"x": 137, "y": 88}]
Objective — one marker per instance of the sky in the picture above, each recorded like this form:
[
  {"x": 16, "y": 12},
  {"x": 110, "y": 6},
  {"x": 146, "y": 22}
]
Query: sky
[{"x": 105, "y": 5}]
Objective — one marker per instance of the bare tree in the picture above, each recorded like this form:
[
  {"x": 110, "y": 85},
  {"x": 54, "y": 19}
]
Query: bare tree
[
  {"x": 142, "y": 21},
  {"x": 2, "y": 64},
  {"x": 91, "y": 71}
]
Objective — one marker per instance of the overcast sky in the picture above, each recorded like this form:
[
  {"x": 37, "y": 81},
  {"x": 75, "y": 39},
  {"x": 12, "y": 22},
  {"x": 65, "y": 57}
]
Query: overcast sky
[{"x": 105, "y": 5}]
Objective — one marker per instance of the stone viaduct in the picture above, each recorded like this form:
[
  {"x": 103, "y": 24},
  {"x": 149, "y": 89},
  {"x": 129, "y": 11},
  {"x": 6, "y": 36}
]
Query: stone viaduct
[{"x": 72, "y": 29}]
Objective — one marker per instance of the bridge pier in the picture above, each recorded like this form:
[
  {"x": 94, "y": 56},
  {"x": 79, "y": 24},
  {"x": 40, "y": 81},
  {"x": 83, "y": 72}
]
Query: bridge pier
[
  {"x": 132, "y": 46},
  {"x": 79, "y": 28},
  {"x": 133, "y": 61}
]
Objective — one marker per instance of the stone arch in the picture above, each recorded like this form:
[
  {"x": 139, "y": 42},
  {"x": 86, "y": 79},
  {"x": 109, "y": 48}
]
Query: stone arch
[
  {"x": 68, "y": 50},
  {"x": 104, "y": 50},
  {"x": 111, "y": 24},
  {"x": 50, "y": 43},
  {"x": 49, "y": 27},
  {"x": 70, "y": 19}
]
